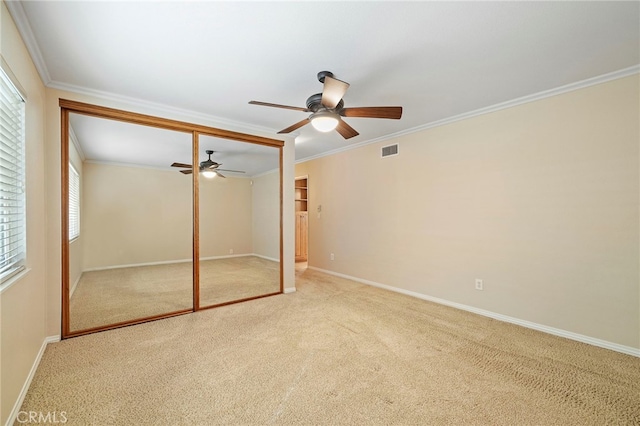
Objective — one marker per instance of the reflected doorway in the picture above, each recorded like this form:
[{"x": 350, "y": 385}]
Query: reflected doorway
[{"x": 302, "y": 222}]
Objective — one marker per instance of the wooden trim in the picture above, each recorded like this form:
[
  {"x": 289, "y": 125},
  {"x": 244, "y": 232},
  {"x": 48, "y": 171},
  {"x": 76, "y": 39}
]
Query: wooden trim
[
  {"x": 64, "y": 229},
  {"x": 164, "y": 123},
  {"x": 127, "y": 323},
  {"x": 195, "y": 262},
  {"x": 281, "y": 224}
]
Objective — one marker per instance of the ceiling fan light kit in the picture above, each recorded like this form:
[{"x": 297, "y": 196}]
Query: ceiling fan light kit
[
  {"x": 324, "y": 121},
  {"x": 209, "y": 174},
  {"x": 327, "y": 109}
]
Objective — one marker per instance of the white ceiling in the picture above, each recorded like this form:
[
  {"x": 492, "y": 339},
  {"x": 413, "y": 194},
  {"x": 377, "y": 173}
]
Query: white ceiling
[{"x": 436, "y": 59}]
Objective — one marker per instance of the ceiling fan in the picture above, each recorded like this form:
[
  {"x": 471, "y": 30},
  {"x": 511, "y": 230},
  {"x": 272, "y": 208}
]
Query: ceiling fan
[
  {"x": 327, "y": 109},
  {"x": 208, "y": 168}
]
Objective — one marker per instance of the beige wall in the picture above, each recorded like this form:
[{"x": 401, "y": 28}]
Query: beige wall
[
  {"x": 266, "y": 215},
  {"x": 134, "y": 215},
  {"x": 22, "y": 305},
  {"x": 225, "y": 217},
  {"x": 538, "y": 200}
]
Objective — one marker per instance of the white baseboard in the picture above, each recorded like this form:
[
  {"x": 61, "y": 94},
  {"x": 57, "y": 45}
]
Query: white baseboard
[
  {"x": 23, "y": 392},
  {"x": 528, "y": 324},
  {"x": 289, "y": 290},
  {"x": 73, "y": 287},
  {"x": 266, "y": 257},
  {"x": 167, "y": 262},
  {"x": 134, "y": 265}
]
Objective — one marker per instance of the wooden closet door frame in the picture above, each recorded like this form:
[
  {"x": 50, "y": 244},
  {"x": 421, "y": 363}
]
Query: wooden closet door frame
[{"x": 69, "y": 106}]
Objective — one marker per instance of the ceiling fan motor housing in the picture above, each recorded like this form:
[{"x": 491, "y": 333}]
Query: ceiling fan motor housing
[
  {"x": 323, "y": 74},
  {"x": 208, "y": 163},
  {"x": 314, "y": 103}
]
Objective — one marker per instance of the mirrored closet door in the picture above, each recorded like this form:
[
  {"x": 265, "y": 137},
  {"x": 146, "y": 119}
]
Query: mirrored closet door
[
  {"x": 239, "y": 192},
  {"x": 162, "y": 217},
  {"x": 130, "y": 227}
]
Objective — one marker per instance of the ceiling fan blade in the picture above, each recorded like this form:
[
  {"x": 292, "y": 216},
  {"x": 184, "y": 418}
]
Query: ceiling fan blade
[
  {"x": 186, "y": 172},
  {"x": 220, "y": 174},
  {"x": 182, "y": 165},
  {"x": 295, "y": 126},
  {"x": 267, "y": 104},
  {"x": 345, "y": 130},
  {"x": 392, "y": 112},
  {"x": 233, "y": 171},
  {"x": 333, "y": 91}
]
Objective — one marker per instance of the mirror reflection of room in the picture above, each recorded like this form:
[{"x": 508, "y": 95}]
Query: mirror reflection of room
[
  {"x": 239, "y": 221},
  {"x": 130, "y": 223}
]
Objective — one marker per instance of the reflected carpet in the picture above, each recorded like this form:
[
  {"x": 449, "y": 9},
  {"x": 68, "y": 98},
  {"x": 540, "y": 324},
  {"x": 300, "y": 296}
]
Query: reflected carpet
[{"x": 115, "y": 295}]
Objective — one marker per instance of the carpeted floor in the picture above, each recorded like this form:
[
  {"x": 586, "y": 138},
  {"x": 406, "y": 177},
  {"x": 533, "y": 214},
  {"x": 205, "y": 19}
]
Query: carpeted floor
[
  {"x": 335, "y": 352},
  {"x": 115, "y": 295}
]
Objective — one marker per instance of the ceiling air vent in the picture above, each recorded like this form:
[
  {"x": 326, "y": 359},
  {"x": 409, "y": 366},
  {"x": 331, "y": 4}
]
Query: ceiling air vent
[{"x": 390, "y": 150}]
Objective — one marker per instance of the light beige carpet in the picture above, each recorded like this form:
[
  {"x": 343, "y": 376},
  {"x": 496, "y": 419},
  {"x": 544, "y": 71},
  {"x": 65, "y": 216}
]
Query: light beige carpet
[
  {"x": 335, "y": 352},
  {"x": 124, "y": 294}
]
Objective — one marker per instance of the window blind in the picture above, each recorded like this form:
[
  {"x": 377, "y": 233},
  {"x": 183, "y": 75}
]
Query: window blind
[
  {"x": 12, "y": 197},
  {"x": 74, "y": 203}
]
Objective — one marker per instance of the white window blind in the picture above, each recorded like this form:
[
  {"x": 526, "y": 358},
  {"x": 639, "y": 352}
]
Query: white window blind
[
  {"x": 74, "y": 203},
  {"x": 12, "y": 197}
]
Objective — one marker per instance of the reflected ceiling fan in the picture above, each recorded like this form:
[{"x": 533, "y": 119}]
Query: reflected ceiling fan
[
  {"x": 208, "y": 168},
  {"x": 327, "y": 109}
]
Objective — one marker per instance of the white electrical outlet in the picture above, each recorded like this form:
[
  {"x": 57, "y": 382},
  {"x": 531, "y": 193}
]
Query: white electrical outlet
[
  {"x": 479, "y": 284},
  {"x": 332, "y": 257},
  {"x": 230, "y": 251}
]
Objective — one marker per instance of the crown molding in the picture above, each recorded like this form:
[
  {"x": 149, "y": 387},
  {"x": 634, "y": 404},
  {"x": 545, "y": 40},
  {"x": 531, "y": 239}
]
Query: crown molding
[
  {"x": 625, "y": 72},
  {"x": 24, "y": 28},
  {"x": 268, "y": 172},
  {"x": 162, "y": 109}
]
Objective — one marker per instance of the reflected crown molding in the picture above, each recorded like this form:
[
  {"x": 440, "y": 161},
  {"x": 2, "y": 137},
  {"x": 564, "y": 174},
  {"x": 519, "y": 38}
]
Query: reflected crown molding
[
  {"x": 164, "y": 169},
  {"x": 76, "y": 143}
]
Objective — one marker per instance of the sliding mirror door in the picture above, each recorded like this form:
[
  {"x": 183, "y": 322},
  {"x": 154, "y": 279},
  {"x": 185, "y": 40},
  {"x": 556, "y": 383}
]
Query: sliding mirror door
[
  {"x": 130, "y": 223},
  {"x": 145, "y": 235},
  {"x": 239, "y": 221}
]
